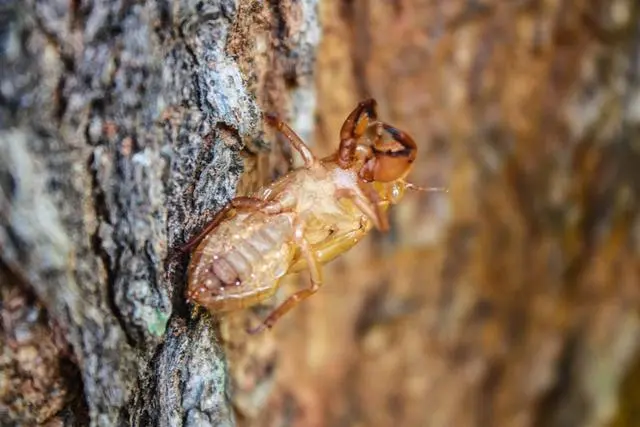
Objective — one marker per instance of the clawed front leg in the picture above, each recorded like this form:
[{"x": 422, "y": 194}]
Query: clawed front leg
[
  {"x": 315, "y": 271},
  {"x": 389, "y": 160},
  {"x": 369, "y": 203},
  {"x": 354, "y": 127}
]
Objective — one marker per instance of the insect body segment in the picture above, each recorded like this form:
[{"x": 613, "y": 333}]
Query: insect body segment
[
  {"x": 304, "y": 219},
  {"x": 236, "y": 266}
]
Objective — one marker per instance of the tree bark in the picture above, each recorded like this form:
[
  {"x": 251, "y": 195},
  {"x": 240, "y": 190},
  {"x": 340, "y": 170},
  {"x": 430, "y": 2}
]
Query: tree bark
[
  {"x": 123, "y": 125},
  {"x": 512, "y": 300}
]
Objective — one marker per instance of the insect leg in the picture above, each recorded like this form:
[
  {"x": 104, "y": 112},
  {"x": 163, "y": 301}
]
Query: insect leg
[
  {"x": 332, "y": 247},
  {"x": 240, "y": 203},
  {"x": 369, "y": 203},
  {"x": 353, "y": 128},
  {"x": 315, "y": 271},
  {"x": 296, "y": 142}
]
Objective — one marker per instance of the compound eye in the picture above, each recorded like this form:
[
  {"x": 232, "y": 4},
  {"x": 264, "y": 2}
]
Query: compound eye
[{"x": 397, "y": 191}]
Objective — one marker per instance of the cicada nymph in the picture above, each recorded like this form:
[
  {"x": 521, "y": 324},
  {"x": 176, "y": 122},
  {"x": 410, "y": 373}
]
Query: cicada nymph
[{"x": 304, "y": 219}]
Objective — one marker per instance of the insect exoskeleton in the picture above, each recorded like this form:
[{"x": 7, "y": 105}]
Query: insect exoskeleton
[
  {"x": 303, "y": 220},
  {"x": 237, "y": 265}
]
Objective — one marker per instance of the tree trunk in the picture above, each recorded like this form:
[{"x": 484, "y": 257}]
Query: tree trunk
[
  {"x": 123, "y": 125},
  {"x": 511, "y": 301}
]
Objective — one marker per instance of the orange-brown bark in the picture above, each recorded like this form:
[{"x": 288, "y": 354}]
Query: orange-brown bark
[{"x": 514, "y": 299}]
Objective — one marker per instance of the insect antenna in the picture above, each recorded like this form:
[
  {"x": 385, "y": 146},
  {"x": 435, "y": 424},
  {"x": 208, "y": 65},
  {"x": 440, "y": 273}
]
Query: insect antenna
[{"x": 411, "y": 186}]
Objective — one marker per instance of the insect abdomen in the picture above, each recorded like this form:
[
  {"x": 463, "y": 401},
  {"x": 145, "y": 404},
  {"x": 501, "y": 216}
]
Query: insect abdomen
[{"x": 237, "y": 264}]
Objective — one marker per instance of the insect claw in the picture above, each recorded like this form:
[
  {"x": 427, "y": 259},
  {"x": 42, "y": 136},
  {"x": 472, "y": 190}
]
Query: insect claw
[{"x": 369, "y": 105}]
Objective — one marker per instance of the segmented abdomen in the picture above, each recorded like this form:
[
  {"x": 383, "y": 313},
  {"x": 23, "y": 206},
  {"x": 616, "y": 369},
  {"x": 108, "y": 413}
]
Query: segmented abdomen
[{"x": 237, "y": 264}]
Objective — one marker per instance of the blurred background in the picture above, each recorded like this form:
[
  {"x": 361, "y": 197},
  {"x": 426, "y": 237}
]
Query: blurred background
[{"x": 514, "y": 299}]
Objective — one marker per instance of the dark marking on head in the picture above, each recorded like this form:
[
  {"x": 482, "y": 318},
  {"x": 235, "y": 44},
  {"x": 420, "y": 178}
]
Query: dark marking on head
[
  {"x": 396, "y": 133},
  {"x": 405, "y": 152}
]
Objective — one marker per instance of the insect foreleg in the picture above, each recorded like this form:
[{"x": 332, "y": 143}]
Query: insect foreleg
[
  {"x": 368, "y": 203},
  {"x": 315, "y": 271},
  {"x": 295, "y": 141},
  {"x": 334, "y": 246},
  {"x": 354, "y": 127},
  {"x": 389, "y": 160}
]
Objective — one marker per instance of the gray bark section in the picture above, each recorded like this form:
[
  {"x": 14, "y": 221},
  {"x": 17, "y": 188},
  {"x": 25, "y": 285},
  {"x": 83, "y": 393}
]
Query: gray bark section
[{"x": 121, "y": 127}]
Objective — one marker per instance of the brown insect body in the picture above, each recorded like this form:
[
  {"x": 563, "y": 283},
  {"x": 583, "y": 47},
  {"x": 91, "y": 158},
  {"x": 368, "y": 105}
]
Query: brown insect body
[
  {"x": 258, "y": 247},
  {"x": 303, "y": 220}
]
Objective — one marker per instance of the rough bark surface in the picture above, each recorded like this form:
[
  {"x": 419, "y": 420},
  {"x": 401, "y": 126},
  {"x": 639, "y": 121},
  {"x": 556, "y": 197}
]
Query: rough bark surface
[
  {"x": 122, "y": 128},
  {"x": 511, "y": 301}
]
